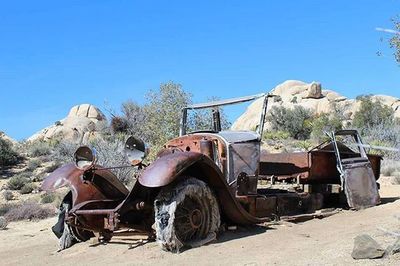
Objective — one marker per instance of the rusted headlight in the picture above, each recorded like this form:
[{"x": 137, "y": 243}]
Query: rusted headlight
[
  {"x": 135, "y": 150},
  {"x": 85, "y": 157}
]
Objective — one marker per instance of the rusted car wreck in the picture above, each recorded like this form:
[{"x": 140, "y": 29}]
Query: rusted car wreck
[{"x": 204, "y": 179}]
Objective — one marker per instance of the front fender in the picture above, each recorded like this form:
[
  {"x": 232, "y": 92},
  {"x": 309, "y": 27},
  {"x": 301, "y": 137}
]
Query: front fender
[
  {"x": 169, "y": 167},
  {"x": 165, "y": 169},
  {"x": 103, "y": 184},
  {"x": 66, "y": 175}
]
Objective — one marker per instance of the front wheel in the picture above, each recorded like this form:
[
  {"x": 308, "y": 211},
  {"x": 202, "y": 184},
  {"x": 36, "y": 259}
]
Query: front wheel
[
  {"x": 186, "y": 215},
  {"x": 66, "y": 234}
]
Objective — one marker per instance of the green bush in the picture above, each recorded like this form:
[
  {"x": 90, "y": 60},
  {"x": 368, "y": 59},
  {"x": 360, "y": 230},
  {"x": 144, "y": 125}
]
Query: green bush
[
  {"x": 296, "y": 121},
  {"x": 33, "y": 164},
  {"x": 48, "y": 197},
  {"x": 16, "y": 182},
  {"x": 304, "y": 144},
  {"x": 52, "y": 167},
  {"x": 7, "y": 154},
  {"x": 39, "y": 148},
  {"x": 28, "y": 188},
  {"x": 324, "y": 123},
  {"x": 372, "y": 113},
  {"x": 275, "y": 135}
]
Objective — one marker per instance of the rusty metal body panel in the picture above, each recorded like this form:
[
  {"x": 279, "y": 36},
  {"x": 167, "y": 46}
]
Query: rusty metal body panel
[
  {"x": 91, "y": 184},
  {"x": 314, "y": 167},
  {"x": 356, "y": 174}
]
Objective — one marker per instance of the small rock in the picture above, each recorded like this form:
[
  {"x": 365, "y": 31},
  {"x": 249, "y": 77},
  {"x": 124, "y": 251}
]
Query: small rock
[{"x": 365, "y": 247}]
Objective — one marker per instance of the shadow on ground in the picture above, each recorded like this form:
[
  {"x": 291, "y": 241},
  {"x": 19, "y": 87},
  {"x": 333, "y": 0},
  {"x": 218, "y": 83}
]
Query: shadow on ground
[
  {"x": 242, "y": 231},
  {"x": 389, "y": 200}
]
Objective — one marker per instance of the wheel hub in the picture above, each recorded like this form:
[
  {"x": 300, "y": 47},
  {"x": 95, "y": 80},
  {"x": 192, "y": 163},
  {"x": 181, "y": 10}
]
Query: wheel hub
[{"x": 196, "y": 218}]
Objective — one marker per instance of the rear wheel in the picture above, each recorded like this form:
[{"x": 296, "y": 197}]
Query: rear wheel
[{"x": 186, "y": 215}]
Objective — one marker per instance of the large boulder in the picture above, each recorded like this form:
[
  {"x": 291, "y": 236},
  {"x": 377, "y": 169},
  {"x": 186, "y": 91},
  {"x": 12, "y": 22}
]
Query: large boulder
[
  {"x": 310, "y": 96},
  {"x": 82, "y": 122}
]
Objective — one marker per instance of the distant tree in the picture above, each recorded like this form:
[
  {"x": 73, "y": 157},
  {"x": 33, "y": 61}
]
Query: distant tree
[
  {"x": 325, "y": 123},
  {"x": 394, "y": 42},
  {"x": 201, "y": 119},
  {"x": 163, "y": 113},
  {"x": 297, "y": 121},
  {"x": 372, "y": 114},
  {"x": 158, "y": 119}
]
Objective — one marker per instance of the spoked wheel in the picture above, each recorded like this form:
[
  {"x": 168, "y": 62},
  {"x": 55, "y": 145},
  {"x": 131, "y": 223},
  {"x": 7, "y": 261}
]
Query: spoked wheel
[{"x": 186, "y": 215}]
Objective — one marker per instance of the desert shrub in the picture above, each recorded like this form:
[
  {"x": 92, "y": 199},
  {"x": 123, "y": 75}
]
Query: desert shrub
[
  {"x": 29, "y": 211},
  {"x": 28, "y": 188},
  {"x": 390, "y": 167},
  {"x": 52, "y": 167},
  {"x": 385, "y": 136},
  {"x": 296, "y": 121},
  {"x": 8, "y": 195},
  {"x": 3, "y": 223},
  {"x": 48, "y": 197},
  {"x": 4, "y": 208},
  {"x": 8, "y": 156},
  {"x": 324, "y": 123},
  {"x": 372, "y": 113},
  {"x": 275, "y": 135},
  {"x": 63, "y": 152},
  {"x": 16, "y": 182},
  {"x": 33, "y": 164},
  {"x": 110, "y": 153},
  {"x": 39, "y": 148},
  {"x": 119, "y": 124},
  {"x": 109, "y": 150},
  {"x": 304, "y": 144}
]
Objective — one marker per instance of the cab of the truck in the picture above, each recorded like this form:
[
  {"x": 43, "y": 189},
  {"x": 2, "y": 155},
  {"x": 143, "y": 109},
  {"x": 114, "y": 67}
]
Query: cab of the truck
[{"x": 236, "y": 153}]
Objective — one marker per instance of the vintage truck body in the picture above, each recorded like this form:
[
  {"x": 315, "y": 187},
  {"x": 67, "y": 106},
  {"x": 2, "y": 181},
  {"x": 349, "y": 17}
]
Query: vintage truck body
[{"x": 203, "y": 179}]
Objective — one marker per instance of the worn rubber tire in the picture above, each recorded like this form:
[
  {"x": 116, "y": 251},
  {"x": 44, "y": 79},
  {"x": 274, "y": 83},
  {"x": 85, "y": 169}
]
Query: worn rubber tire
[
  {"x": 67, "y": 235},
  {"x": 186, "y": 215}
]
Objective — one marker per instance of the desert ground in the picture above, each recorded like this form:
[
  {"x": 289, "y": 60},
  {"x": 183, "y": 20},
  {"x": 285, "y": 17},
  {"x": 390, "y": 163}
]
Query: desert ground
[{"x": 327, "y": 241}]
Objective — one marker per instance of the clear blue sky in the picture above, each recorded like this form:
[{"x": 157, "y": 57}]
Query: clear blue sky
[{"x": 56, "y": 54}]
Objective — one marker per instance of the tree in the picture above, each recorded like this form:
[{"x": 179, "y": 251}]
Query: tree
[
  {"x": 372, "y": 114},
  {"x": 297, "y": 121},
  {"x": 394, "y": 42},
  {"x": 158, "y": 119}
]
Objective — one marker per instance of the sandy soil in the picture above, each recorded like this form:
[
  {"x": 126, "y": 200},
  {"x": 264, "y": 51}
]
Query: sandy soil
[{"x": 328, "y": 241}]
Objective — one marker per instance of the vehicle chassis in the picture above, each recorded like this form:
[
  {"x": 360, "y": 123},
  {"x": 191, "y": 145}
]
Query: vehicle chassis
[{"x": 230, "y": 163}]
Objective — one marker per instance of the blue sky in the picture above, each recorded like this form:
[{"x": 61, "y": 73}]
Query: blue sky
[{"x": 56, "y": 54}]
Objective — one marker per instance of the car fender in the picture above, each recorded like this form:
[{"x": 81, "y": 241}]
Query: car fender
[
  {"x": 174, "y": 166},
  {"x": 103, "y": 184}
]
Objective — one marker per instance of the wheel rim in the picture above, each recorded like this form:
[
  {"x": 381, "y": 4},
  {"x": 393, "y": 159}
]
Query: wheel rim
[{"x": 190, "y": 220}]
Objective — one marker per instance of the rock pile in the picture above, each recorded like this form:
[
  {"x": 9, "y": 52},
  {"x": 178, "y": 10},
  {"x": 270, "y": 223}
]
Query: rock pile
[
  {"x": 310, "y": 96},
  {"x": 82, "y": 122}
]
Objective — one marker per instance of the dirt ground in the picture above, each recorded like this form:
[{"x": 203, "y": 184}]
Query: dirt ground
[{"x": 328, "y": 241}]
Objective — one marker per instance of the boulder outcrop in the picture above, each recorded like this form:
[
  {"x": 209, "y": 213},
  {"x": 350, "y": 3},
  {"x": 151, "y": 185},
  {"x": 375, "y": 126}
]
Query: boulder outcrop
[
  {"x": 82, "y": 122},
  {"x": 311, "y": 96}
]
